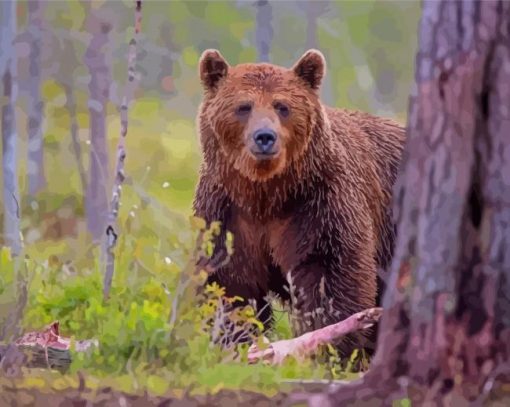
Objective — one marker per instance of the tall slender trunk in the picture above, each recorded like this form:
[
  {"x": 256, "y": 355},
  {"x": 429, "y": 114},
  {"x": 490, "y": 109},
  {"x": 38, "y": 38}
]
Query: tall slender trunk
[
  {"x": 263, "y": 30},
  {"x": 111, "y": 235},
  {"x": 96, "y": 201},
  {"x": 67, "y": 81},
  {"x": 313, "y": 11},
  {"x": 35, "y": 164},
  {"x": 9, "y": 135},
  {"x": 167, "y": 64},
  {"x": 75, "y": 141}
]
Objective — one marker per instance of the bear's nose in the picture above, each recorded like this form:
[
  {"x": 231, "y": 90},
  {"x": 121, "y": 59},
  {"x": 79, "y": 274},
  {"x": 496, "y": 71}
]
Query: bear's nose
[{"x": 264, "y": 139}]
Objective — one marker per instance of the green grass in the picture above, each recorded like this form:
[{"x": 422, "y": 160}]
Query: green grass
[{"x": 140, "y": 346}]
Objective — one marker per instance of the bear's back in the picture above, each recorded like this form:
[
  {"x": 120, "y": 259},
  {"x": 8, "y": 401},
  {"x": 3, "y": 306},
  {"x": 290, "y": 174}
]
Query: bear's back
[
  {"x": 366, "y": 135},
  {"x": 374, "y": 146}
]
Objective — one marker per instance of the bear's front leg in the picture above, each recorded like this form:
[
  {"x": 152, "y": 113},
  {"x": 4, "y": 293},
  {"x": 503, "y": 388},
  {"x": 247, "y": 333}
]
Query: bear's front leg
[
  {"x": 246, "y": 293},
  {"x": 325, "y": 291},
  {"x": 243, "y": 279}
]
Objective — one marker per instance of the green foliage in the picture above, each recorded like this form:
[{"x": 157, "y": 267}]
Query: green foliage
[
  {"x": 7, "y": 267},
  {"x": 157, "y": 329},
  {"x": 402, "y": 403},
  {"x": 152, "y": 332}
]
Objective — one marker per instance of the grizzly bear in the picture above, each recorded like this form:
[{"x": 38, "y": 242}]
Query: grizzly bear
[{"x": 304, "y": 188}]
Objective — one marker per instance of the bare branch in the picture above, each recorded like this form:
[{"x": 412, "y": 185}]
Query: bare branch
[{"x": 308, "y": 343}]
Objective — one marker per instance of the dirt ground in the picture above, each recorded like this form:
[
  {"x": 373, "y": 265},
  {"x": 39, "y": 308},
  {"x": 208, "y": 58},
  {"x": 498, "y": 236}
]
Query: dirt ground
[{"x": 14, "y": 397}]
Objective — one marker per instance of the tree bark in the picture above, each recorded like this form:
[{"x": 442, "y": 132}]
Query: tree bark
[
  {"x": 452, "y": 263},
  {"x": 110, "y": 240},
  {"x": 96, "y": 201},
  {"x": 311, "y": 25},
  {"x": 167, "y": 64},
  {"x": 313, "y": 10},
  {"x": 67, "y": 80},
  {"x": 263, "y": 30},
  {"x": 445, "y": 333},
  {"x": 8, "y": 61},
  {"x": 35, "y": 164},
  {"x": 73, "y": 119}
]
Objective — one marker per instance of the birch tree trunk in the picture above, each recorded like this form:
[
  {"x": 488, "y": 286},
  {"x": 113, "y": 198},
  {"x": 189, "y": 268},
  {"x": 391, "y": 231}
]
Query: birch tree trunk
[
  {"x": 8, "y": 70},
  {"x": 110, "y": 238},
  {"x": 445, "y": 333},
  {"x": 35, "y": 164},
  {"x": 96, "y": 201},
  {"x": 263, "y": 30}
]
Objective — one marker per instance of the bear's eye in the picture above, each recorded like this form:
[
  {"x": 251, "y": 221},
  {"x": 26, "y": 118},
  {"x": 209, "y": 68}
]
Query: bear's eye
[
  {"x": 243, "y": 109},
  {"x": 283, "y": 110}
]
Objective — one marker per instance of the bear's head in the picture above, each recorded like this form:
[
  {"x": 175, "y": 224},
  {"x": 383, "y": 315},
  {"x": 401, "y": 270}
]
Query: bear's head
[{"x": 262, "y": 116}]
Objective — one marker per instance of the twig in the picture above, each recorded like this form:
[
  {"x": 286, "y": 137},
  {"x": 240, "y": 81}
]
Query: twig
[
  {"x": 111, "y": 235},
  {"x": 308, "y": 343},
  {"x": 184, "y": 281},
  {"x": 17, "y": 205}
]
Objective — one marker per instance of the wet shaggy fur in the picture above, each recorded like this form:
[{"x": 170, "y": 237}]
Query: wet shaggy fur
[{"x": 311, "y": 225}]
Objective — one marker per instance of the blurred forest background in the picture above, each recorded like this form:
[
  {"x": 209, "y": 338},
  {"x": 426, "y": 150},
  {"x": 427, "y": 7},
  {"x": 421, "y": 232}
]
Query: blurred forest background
[{"x": 71, "y": 75}]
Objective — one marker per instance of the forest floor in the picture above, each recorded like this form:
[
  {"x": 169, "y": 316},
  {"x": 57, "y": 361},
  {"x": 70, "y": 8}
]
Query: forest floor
[
  {"x": 292, "y": 395},
  {"x": 12, "y": 394},
  {"x": 106, "y": 397}
]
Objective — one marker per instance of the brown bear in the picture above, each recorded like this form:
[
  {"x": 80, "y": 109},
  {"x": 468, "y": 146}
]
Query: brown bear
[{"x": 304, "y": 188}]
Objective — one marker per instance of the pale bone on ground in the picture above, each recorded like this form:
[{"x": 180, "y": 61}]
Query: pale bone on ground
[{"x": 307, "y": 344}]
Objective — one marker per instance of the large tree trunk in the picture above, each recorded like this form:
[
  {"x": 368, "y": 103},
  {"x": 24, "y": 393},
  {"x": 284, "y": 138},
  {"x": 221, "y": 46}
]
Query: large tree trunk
[
  {"x": 449, "y": 304},
  {"x": 96, "y": 201},
  {"x": 263, "y": 30},
  {"x": 445, "y": 333},
  {"x": 8, "y": 67},
  {"x": 35, "y": 164}
]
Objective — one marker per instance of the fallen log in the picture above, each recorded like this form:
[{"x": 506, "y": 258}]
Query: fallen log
[
  {"x": 42, "y": 349},
  {"x": 307, "y": 344}
]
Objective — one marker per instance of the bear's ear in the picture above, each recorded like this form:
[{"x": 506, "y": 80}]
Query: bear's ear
[
  {"x": 213, "y": 68},
  {"x": 311, "y": 67}
]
